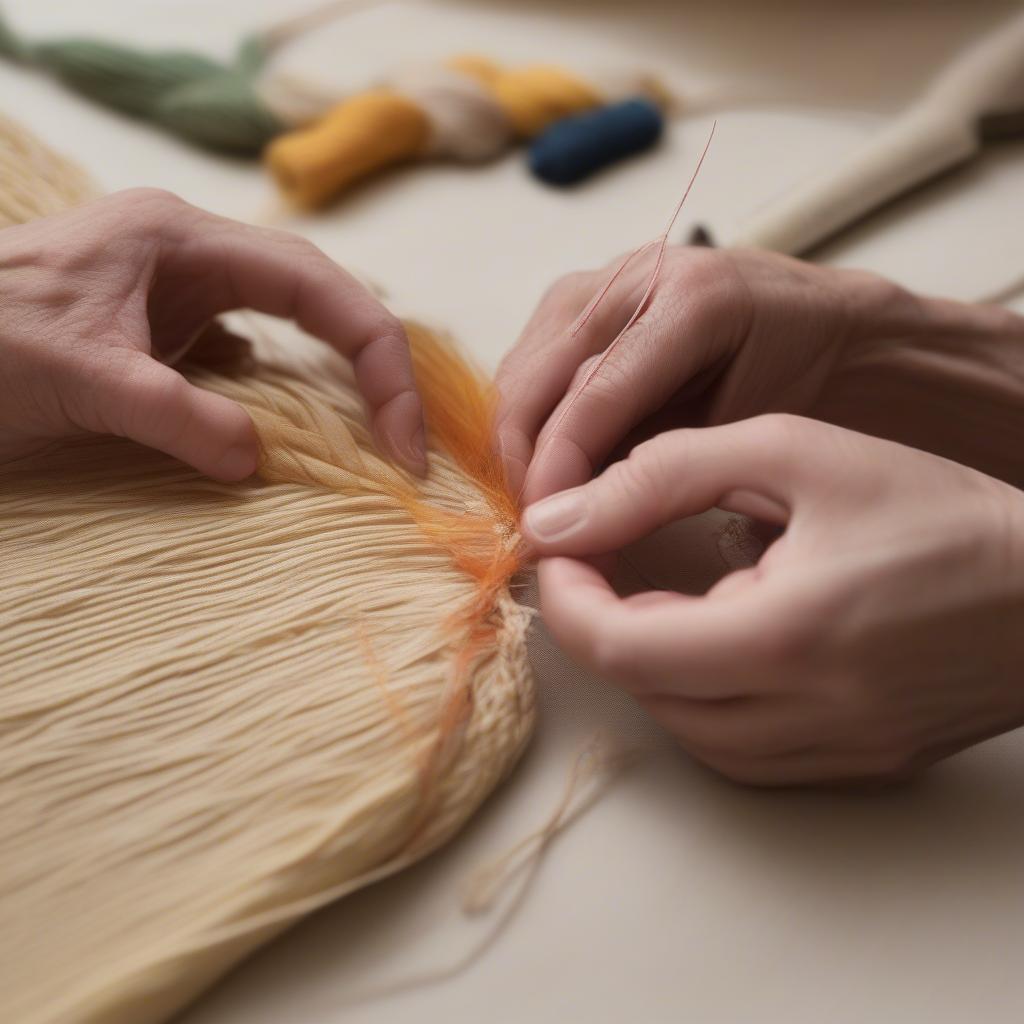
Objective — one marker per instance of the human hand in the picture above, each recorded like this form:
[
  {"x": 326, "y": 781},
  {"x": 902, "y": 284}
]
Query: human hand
[
  {"x": 94, "y": 298},
  {"x": 729, "y": 335},
  {"x": 882, "y": 631}
]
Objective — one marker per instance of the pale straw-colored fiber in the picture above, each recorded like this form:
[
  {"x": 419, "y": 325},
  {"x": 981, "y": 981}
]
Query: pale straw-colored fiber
[
  {"x": 222, "y": 706},
  {"x": 34, "y": 180}
]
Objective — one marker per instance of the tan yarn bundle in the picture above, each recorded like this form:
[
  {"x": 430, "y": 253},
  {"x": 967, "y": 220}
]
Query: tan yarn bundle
[
  {"x": 35, "y": 181},
  {"x": 222, "y": 706}
]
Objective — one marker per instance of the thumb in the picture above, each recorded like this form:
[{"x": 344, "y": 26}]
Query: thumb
[
  {"x": 137, "y": 397},
  {"x": 759, "y": 467}
]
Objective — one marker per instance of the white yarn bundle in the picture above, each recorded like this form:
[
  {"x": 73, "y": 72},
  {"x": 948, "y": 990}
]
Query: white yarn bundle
[{"x": 466, "y": 123}]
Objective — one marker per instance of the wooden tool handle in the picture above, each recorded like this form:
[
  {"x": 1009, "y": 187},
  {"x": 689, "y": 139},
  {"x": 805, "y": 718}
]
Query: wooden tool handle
[{"x": 980, "y": 91}]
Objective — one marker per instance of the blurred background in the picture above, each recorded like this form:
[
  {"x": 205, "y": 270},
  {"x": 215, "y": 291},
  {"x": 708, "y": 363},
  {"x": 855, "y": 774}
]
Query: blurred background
[
  {"x": 678, "y": 898},
  {"x": 796, "y": 86}
]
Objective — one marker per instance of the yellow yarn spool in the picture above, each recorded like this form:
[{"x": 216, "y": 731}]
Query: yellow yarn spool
[
  {"x": 533, "y": 97},
  {"x": 386, "y": 126},
  {"x": 364, "y": 134}
]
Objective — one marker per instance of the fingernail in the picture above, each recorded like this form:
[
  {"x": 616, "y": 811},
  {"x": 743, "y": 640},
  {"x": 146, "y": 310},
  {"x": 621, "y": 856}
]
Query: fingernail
[
  {"x": 410, "y": 454},
  {"x": 419, "y": 445},
  {"x": 415, "y": 454},
  {"x": 558, "y": 516},
  {"x": 237, "y": 463}
]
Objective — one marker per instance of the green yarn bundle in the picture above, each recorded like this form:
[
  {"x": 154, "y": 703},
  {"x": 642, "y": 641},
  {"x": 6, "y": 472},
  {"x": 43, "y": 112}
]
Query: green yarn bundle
[
  {"x": 223, "y": 110},
  {"x": 210, "y": 104}
]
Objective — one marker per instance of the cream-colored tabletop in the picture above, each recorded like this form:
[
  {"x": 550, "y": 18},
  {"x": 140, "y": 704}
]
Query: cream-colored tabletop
[{"x": 677, "y": 897}]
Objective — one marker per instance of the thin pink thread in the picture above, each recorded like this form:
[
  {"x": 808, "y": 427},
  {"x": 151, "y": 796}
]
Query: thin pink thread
[
  {"x": 662, "y": 243},
  {"x": 597, "y": 299}
]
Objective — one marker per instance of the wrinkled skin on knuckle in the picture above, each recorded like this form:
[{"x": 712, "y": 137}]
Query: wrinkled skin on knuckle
[
  {"x": 781, "y": 432},
  {"x": 642, "y": 355},
  {"x": 710, "y": 284},
  {"x": 698, "y": 270},
  {"x": 146, "y": 208},
  {"x": 314, "y": 263},
  {"x": 870, "y": 296},
  {"x": 78, "y": 400},
  {"x": 388, "y": 329},
  {"x": 166, "y": 417},
  {"x": 614, "y": 385},
  {"x": 643, "y": 475}
]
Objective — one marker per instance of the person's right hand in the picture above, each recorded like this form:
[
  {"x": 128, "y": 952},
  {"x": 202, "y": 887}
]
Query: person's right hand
[
  {"x": 728, "y": 335},
  {"x": 883, "y": 630},
  {"x": 95, "y": 302}
]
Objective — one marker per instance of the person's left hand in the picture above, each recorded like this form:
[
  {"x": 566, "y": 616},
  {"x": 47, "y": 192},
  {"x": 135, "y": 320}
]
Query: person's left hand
[
  {"x": 883, "y": 630},
  {"x": 97, "y": 302}
]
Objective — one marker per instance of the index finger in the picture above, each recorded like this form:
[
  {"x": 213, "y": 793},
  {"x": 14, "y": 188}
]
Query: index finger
[
  {"x": 573, "y": 323},
  {"x": 695, "y": 315},
  {"x": 533, "y": 376},
  {"x": 231, "y": 265}
]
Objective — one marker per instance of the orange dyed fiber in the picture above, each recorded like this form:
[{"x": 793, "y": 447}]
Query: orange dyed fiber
[{"x": 459, "y": 405}]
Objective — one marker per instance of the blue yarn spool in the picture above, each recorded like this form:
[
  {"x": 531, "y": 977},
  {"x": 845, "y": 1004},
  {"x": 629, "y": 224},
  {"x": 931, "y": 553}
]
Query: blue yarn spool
[{"x": 577, "y": 147}]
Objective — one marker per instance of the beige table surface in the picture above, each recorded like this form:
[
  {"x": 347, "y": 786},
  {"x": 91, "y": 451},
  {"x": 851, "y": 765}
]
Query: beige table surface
[{"x": 678, "y": 897}]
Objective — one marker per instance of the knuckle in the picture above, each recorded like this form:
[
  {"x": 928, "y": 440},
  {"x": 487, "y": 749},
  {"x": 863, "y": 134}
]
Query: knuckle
[
  {"x": 148, "y": 204},
  {"x": 642, "y": 356},
  {"x": 144, "y": 403},
  {"x": 877, "y": 291},
  {"x": 780, "y": 431},
  {"x": 708, "y": 275},
  {"x": 311, "y": 257},
  {"x": 512, "y": 372},
  {"x": 312, "y": 266},
  {"x": 390, "y": 328},
  {"x": 654, "y": 460},
  {"x": 786, "y": 441},
  {"x": 115, "y": 367},
  {"x": 612, "y": 384},
  {"x": 169, "y": 416},
  {"x": 643, "y": 472},
  {"x": 141, "y": 215}
]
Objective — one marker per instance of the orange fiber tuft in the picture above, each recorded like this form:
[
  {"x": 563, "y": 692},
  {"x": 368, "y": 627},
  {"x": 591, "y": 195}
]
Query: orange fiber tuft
[{"x": 459, "y": 405}]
